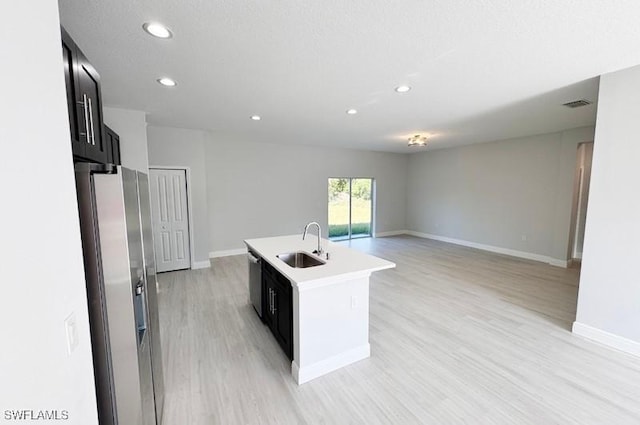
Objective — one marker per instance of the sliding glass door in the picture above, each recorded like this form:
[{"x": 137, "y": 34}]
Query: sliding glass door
[{"x": 350, "y": 208}]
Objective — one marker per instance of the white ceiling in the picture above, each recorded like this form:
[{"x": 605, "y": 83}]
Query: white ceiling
[{"x": 480, "y": 70}]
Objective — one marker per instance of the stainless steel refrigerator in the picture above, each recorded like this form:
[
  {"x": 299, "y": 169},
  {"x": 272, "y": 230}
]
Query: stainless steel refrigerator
[{"x": 115, "y": 219}]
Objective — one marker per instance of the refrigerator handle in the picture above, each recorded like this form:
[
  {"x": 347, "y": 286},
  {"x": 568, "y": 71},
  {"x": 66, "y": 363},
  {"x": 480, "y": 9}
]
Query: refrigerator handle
[{"x": 140, "y": 309}]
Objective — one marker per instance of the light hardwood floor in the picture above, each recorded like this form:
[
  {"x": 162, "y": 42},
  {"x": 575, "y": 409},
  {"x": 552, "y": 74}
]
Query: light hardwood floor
[{"x": 458, "y": 336}]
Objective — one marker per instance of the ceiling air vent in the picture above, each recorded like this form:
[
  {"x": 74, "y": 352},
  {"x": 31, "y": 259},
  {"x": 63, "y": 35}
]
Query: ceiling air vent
[{"x": 577, "y": 103}]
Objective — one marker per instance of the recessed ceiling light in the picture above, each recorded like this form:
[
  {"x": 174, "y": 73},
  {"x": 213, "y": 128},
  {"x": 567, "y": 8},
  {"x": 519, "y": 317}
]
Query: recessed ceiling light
[
  {"x": 352, "y": 111},
  {"x": 256, "y": 117},
  {"x": 157, "y": 30},
  {"x": 403, "y": 89},
  {"x": 167, "y": 82}
]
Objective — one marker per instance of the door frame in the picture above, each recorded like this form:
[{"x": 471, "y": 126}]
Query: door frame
[
  {"x": 187, "y": 171},
  {"x": 373, "y": 208},
  {"x": 573, "y": 220}
]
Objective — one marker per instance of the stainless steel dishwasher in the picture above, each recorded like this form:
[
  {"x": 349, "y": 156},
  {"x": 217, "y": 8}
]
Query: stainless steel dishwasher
[{"x": 255, "y": 281}]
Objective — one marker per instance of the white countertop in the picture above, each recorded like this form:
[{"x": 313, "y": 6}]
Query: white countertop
[{"x": 344, "y": 263}]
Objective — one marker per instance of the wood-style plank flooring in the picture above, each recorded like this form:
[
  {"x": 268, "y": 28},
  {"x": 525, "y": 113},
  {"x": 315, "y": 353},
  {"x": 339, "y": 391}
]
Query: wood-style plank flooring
[{"x": 458, "y": 336}]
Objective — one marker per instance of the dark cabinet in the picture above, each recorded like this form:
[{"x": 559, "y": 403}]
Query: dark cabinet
[
  {"x": 69, "y": 57},
  {"x": 90, "y": 100},
  {"x": 269, "y": 315},
  {"x": 113, "y": 146},
  {"x": 84, "y": 104},
  {"x": 284, "y": 322},
  {"x": 278, "y": 306}
]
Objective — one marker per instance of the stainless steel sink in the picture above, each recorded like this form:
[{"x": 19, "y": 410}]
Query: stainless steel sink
[{"x": 300, "y": 260}]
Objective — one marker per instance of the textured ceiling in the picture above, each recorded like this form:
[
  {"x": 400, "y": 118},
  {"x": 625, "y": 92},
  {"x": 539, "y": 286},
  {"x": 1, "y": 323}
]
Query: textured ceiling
[{"x": 480, "y": 70}]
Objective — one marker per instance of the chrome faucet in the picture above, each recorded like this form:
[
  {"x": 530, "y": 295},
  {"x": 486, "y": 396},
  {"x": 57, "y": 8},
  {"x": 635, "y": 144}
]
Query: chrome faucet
[{"x": 306, "y": 228}]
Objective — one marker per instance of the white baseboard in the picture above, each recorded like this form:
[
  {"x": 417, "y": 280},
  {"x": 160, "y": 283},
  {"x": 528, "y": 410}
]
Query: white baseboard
[
  {"x": 200, "y": 265},
  {"x": 559, "y": 263},
  {"x": 391, "y": 233},
  {"x": 227, "y": 252},
  {"x": 506, "y": 251},
  {"x": 606, "y": 338},
  {"x": 307, "y": 373}
]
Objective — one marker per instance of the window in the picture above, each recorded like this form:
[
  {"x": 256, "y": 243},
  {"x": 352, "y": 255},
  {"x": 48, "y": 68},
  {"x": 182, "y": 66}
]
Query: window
[{"x": 350, "y": 208}]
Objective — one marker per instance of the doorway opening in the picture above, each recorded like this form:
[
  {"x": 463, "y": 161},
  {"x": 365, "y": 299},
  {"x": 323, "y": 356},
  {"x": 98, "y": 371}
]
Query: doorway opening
[
  {"x": 350, "y": 205},
  {"x": 580, "y": 200}
]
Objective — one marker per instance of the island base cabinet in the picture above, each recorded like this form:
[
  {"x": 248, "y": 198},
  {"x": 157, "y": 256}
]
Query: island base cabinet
[
  {"x": 283, "y": 325},
  {"x": 331, "y": 327},
  {"x": 319, "y": 314},
  {"x": 278, "y": 307}
]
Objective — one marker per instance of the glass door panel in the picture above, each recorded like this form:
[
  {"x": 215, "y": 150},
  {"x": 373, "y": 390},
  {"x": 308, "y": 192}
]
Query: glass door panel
[
  {"x": 339, "y": 198},
  {"x": 350, "y": 208},
  {"x": 361, "y": 207}
]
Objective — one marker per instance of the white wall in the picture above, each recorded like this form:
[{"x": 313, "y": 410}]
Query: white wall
[
  {"x": 258, "y": 190},
  {"x": 131, "y": 126},
  {"x": 609, "y": 296},
  {"x": 179, "y": 147},
  {"x": 41, "y": 262},
  {"x": 512, "y": 194}
]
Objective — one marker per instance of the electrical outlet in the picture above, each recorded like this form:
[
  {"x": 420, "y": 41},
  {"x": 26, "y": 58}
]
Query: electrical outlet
[
  {"x": 524, "y": 237},
  {"x": 71, "y": 329}
]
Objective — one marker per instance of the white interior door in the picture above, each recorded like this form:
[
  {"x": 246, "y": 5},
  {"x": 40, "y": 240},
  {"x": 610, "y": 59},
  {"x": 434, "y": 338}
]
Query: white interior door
[{"x": 170, "y": 219}]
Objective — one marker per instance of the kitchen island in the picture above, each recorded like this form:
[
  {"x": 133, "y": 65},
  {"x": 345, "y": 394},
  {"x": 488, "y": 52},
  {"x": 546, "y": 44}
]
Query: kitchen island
[{"x": 330, "y": 302}]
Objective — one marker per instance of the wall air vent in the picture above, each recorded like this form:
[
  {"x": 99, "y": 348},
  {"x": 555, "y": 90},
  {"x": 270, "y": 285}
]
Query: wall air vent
[{"x": 577, "y": 103}]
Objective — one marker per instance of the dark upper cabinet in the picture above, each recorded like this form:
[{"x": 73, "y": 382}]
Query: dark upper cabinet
[
  {"x": 278, "y": 307},
  {"x": 69, "y": 56},
  {"x": 90, "y": 100},
  {"x": 84, "y": 102},
  {"x": 113, "y": 146}
]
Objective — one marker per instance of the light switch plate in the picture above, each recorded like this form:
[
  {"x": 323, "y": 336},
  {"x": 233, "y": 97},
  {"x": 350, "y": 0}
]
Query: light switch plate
[{"x": 72, "y": 333}]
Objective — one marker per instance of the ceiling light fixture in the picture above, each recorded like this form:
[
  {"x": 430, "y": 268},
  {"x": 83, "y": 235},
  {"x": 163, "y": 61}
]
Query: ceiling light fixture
[
  {"x": 157, "y": 30},
  {"x": 352, "y": 111},
  {"x": 403, "y": 89},
  {"x": 167, "y": 82},
  {"x": 418, "y": 140},
  {"x": 256, "y": 117}
]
